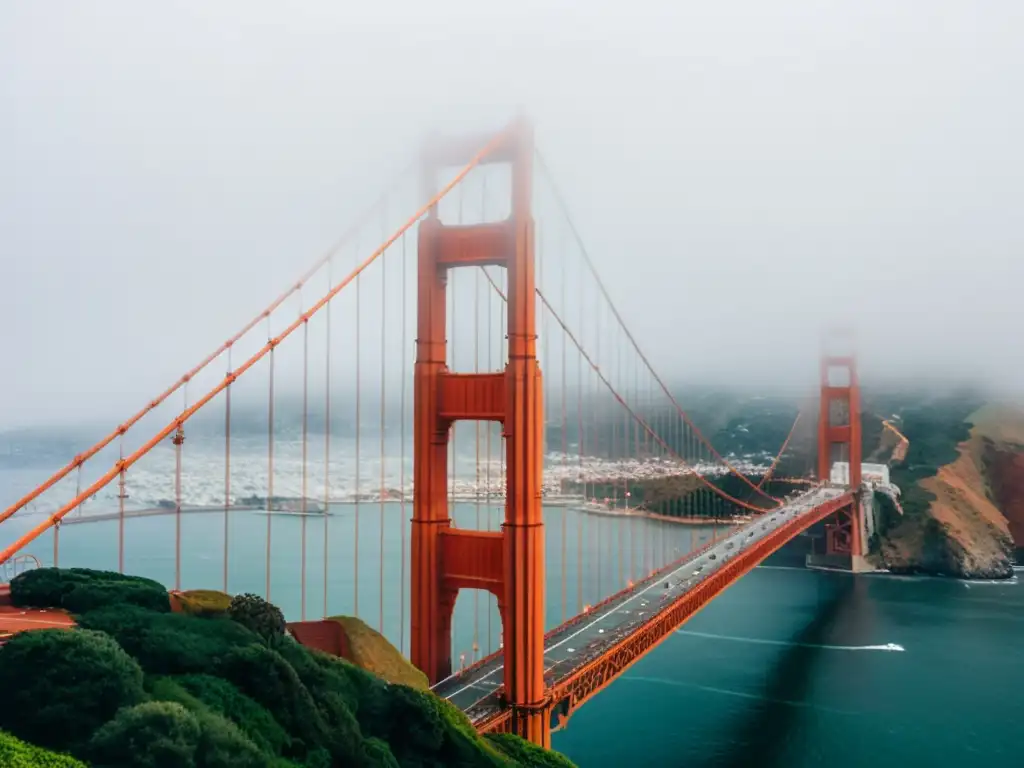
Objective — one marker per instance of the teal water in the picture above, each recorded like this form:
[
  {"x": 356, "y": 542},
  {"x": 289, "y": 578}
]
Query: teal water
[
  {"x": 787, "y": 668},
  {"x": 780, "y": 671}
]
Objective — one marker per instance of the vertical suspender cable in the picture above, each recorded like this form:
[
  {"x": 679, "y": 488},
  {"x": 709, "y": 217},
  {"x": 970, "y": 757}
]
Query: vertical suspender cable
[
  {"x": 227, "y": 469},
  {"x": 565, "y": 444},
  {"x": 383, "y": 424},
  {"x": 476, "y": 425},
  {"x": 582, "y": 476},
  {"x": 355, "y": 537},
  {"x": 327, "y": 435},
  {"x": 404, "y": 521},
  {"x": 490, "y": 429},
  {"x": 270, "y": 457},
  {"x": 178, "y": 440},
  {"x": 303, "y": 505},
  {"x": 121, "y": 495}
]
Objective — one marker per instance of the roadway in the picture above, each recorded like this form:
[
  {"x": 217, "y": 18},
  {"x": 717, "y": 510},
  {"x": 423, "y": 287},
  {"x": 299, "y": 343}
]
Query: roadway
[{"x": 475, "y": 691}]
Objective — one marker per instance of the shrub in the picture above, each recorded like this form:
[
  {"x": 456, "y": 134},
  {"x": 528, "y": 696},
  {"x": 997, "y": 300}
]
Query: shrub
[
  {"x": 157, "y": 734},
  {"x": 264, "y": 676},
  {"x": 525, "y": 753},
  {"x": 223, "y": 745},
  {"x": 83, "y": 589},
  {"x": 334, "y": 694},
  {"x": 169, "y": 643},
  {"x": 222, "y": 697},
  {"x": 259, "y": 616},
  {"x": 429, "y": 730},
  {"x": 60, "y": 685},
  {"x": 203, "y": 602},
  {"x": 378, "y": 753},
  {"x": 15, "y": 753}
]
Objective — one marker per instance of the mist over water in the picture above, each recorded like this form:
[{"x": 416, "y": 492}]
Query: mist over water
[{"x": 743, "y": 175}]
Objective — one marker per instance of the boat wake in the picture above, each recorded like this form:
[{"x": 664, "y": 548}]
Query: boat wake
[{"x": 887, "y": 647}]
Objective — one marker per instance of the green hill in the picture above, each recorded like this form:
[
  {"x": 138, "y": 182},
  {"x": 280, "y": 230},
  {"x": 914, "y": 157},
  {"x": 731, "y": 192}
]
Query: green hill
[{"x": 139, "y": 686}]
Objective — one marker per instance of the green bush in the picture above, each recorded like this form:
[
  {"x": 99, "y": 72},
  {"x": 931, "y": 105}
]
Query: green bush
[
  {"x": 220, "y": 692},
  {"x": 525, "y": 753},
  {"x": 378, "y": 753},
  {"x": 169, "y": 643},
  {"x": 427, "y": 730},
  {"x": 60, "y": 685},
  {"x": 156, "y": 734},
  {"x": 335, "y": 690},
  {"x": 257, "y": 615},
  {"x": 222, "y": 697},
  {"x": 82, "y": 589},
  {"x": 15, "y": 753},
  {"x": 223, "y": 745},
  {"x": 264, "y": 676}
]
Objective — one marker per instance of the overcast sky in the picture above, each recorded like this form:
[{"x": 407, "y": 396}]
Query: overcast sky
[{"x": 750, "y": 170}]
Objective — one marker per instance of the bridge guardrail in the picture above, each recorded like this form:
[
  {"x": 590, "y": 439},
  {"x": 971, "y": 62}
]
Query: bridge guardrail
[{"x": 18, "y": 565}]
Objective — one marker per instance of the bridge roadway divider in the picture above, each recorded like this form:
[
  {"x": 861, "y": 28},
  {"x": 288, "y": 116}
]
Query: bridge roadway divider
[{"x": 581, "y": 660}]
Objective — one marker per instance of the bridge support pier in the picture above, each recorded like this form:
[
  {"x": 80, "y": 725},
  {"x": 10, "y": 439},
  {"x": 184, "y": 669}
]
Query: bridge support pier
[
  {"x": 510, "y": 564},
  {"x": 533, "y": 723}
]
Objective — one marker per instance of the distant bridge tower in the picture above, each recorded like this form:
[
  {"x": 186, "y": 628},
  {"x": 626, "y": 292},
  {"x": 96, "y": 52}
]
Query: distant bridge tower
[
  {"x": 445, "y": 559},
  {"x": 839, "y": 439}
]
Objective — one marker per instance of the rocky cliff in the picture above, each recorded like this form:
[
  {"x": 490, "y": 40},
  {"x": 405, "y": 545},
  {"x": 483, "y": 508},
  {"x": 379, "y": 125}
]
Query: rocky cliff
[{"x": 973, "y": 515}]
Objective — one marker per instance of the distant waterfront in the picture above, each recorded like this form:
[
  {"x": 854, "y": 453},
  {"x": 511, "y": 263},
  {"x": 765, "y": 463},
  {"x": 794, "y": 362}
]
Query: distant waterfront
[{"x": 789, "y": 665}]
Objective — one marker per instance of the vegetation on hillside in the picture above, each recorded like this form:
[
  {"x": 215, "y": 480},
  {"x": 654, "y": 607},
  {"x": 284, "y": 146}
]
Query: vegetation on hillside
[
  {"x": 372, "y": 652},
  {"x": 15, "y": 753},
  {"x": 139, "y": 685},
  {"x": 935, "y": 428}
]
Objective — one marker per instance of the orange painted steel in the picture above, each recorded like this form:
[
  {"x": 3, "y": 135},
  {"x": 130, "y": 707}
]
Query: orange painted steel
[
  {"x": 571, "y": 692},
  {"x": 640, "y": 421},
  {"x": 510, "y": 563},
  {"x": 844, "y": 537},
  {"x": 598, "y": 606},
  {"x": 899, "y": 453},
  {"x": 632, "y": 340},
  {"x": 778, "y": 456},
  {"x": 84, "y": 456},
  {"x": 127, "y": 461}
]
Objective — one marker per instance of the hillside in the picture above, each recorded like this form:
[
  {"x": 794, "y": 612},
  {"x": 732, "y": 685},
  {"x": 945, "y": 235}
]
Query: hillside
[
  {"x": 216, "y": 683},
  {"x": 962, "y": 486}
]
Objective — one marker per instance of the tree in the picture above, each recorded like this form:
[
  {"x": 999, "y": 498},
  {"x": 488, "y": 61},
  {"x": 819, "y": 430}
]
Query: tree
[
  {"x": 259, "y": 616},
  {"x": 156, "y": 734},
  {"x": 60, "y": 685}
]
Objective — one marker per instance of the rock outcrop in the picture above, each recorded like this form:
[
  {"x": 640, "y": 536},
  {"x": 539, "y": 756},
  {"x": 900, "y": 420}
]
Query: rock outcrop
[{"x": 976, "y": 518}]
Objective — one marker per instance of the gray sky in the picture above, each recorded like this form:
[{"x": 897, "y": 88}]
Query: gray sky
[{"x": 742, "y": 172}]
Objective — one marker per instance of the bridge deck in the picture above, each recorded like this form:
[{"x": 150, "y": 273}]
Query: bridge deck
[{"x": 476, "y": 691}]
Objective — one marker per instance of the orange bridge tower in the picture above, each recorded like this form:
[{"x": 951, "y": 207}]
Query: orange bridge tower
[
  {"x": 839, "y": 440},
  {"x": 445, "y": 559}
]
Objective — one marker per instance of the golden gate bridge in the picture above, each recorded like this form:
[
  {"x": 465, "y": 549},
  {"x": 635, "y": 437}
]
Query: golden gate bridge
[{"x": 498, "y": 413}]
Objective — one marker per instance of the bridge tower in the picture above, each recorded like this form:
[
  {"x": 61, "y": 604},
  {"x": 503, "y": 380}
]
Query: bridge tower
[
  {"x": 445, "y": 559},
  {"x": 839, "y": 439}
]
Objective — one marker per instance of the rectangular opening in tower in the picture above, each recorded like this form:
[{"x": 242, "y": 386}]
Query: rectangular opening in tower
[
  {"x": 838, "y": 376},
  {"x": 838, "y": 413}
]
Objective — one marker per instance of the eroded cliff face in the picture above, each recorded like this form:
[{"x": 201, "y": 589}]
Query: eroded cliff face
[
  {"x": 1005, "y": 469},
  {"x": 976, "y": 520}
]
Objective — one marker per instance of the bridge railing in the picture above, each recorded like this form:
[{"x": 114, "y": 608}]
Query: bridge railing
[
  {"x": 16, "y": 566},
  {"x": 494, "y": 721}
]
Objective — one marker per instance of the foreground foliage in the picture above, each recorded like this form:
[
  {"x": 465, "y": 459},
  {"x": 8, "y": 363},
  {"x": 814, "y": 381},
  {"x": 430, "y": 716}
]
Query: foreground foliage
[
  {"x": 15, "y": 753},
  {"x": 372, "y": 652},
  {"x": 138, "y": 685}
]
